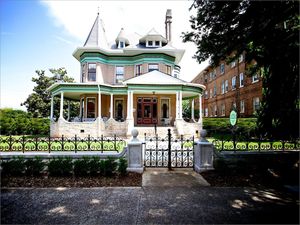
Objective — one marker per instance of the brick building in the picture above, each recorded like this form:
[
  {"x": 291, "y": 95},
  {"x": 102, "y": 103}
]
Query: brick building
[{"x": 228, "y": 86}]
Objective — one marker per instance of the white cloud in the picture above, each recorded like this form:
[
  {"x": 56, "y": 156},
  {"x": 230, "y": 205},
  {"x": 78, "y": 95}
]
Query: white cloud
[{"x": 77, "y": 17}]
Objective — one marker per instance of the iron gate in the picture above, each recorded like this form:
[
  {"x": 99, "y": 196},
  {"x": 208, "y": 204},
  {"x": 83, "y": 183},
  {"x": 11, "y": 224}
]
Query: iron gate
[{"x": 168, "y": 152}]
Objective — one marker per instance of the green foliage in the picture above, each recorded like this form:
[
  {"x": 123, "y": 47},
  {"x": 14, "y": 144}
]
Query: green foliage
[
  {"x": 60, "y": 167},
  {"x": 82, "y": 166},
  {"x": 35, "y": 166},
  {"x": 17, "y": 122},
  {"x": 15, "y": 166},
  {"x": 109, "y": 166},
  {"x": 38, "y": 103},
  {"x": 122, "y": 166},
  {"x": 220, "y": 127},
  {"x": 269, "y": 34},
  {"x": 95, "y": 166}
]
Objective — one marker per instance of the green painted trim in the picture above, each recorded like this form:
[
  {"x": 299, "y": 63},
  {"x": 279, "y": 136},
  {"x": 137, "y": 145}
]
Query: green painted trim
[
  {"x": 127, "y": 60},
  {"x": 191, "y": 97},
  {"x": 192, "y": 89}
]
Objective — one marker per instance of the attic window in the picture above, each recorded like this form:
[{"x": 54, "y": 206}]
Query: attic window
[
  {"x": 150, "y": 43},
  {"x": 121, "y": 44},
  {"x": 157, "y": 43}
]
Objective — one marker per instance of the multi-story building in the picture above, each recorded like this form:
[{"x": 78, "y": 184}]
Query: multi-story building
[
  {"x": 228, "y": 87},
  {"x": 129, "y": 82}
]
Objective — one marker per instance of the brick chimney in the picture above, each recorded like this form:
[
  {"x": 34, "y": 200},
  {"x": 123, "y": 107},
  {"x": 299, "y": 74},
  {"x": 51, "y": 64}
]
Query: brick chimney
[{"x": 168, "y": 24}]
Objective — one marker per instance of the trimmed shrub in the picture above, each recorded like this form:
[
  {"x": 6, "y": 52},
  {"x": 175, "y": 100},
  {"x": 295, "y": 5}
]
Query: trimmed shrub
[
  {"x": 122, "y": 166},
  {"x": 82, "y": 166},
  {"x": 35, "y": 167},
  {"x": 109, "y": 166},
  {"x": 15, "y": 166},
  {"x": 95, "y": 166},
  {"x": 60, "y": 167}
]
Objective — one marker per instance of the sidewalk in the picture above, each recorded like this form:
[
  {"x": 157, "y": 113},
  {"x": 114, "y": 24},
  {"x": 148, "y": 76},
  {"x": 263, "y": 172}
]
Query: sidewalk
[{"x": 147, "y": 205}]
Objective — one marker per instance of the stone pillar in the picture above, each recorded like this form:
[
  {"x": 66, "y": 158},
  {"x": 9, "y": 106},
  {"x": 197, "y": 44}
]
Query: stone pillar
[
  {"x": 61, "y": 111},
  {"x": 111, "y": 105},
  {"x": 203, "y": 154},
  {"x": 135, "y": 154},
  {"x": 51, "y": 109},
  {"x": 193, "y": 108},
  {"x": 200, "y": 110}
]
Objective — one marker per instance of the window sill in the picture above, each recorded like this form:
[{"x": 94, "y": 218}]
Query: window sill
[{"x": 253, "y": 82}]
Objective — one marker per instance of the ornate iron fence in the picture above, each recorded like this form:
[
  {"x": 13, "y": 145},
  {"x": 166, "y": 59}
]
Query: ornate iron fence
[
  {"x": 23, "y": 143},
  {"x": 255, "y": 145},
  {"x": 168, "y": 152}
]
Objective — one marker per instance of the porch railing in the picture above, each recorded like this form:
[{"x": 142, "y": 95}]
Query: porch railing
[{"x": 48, "y": 144}]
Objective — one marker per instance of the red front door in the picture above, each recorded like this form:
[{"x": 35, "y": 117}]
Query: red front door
[{"x": 147, "y": 110}]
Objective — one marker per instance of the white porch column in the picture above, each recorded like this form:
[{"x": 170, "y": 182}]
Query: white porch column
[
  {"x": 177, "y": 110},
  {"x": 69, "y": 110},
  {"x": 180, "y": 104},
  {"x": 131, "y": 105},
  {"x": 193, "y": 108},
  {"x": 111, "y": 105},
  {"x": 51, "y": 109},
  {"x": 99, "y": 105},
  {"x": 61, "y": 111},
  {"x": 200, "y": 109},
  {"x": 128, "y": 105}
]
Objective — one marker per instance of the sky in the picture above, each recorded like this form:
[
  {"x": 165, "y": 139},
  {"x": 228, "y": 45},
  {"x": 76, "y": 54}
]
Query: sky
[{"x": 39, "y": 35}]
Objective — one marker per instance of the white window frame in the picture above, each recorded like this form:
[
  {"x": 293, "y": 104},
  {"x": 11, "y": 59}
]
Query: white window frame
[
  {"x": 169, "y": 108},
  {"x": 233, "y": 64},
  {"x": 222, "y": 68},
  {"x": 233, "y": 79},
  {"x": 223, "y": 87},
  {"x": 242, "y": 106},
  {"x": 210, "y": 93},
  {"x": 226, "y": 86},
  {"x": 255, "y": 78},
  {"x": 153, "y": 64},
  {"x": 223, "y": 109},
  {"x": 117, "y": 74},
  {"x": 120, "y": 44},
  {"x": 87, "y": 78},
  {"x": 255, "y": 103},
  {"x": 168, "y": 66},
  {"x": 241, "y": 58},
  {"x": 135, "y": 69},
  {"x": 215, "y": 90},
  {"x": 206, "y": 112},
  {"x": 206, "y": 94},
  {"x": 115, "y": 107},
  {"x": 242, "y": 76},
  {"x": 86, "y": 107},
  {"x": 215, "y": 111}
]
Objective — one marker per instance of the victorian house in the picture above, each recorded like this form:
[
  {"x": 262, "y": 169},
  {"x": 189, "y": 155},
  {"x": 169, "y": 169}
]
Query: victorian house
[{"x": 132, "y": 82}]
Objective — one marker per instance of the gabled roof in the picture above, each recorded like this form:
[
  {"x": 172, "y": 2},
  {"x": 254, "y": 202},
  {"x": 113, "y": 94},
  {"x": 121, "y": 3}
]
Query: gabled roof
[
  {"x": 97, "y": 36},
  {"x": 154, "y": 77},
  {"x": 154, "y": 34}
]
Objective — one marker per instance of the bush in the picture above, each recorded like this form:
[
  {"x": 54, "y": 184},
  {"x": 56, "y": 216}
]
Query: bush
[
  {"x": 122, "y": 166},
  {"x": 15, "y": 166},
  {"x": 82, "y": 166},
  {"x": 95, "y": 166},
  {"x": 35, "y": 167},
  {"x": 109, "y": 166},
  {"x": 60, "y": 167}
]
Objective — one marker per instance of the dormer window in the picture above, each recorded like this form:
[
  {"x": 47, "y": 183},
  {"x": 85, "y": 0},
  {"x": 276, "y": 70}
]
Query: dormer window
[
  {"x": 121, "y": 44},
  {"x": 157, "y": 43},
  {"x": 150, "y": 43},
  {"x": 153, "y": 43}
]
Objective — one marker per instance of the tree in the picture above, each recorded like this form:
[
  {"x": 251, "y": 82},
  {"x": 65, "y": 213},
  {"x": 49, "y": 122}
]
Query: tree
[
  {"x": 39, "y": 102},
  {"x": 269, "y": 34}
]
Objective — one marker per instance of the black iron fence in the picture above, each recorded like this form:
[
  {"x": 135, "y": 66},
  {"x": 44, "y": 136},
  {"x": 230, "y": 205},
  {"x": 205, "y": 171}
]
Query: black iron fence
[
  {"x": 168, "y": 151},
  {"x": 24, "y": 143},
  {"x": 255, "y": 145}
]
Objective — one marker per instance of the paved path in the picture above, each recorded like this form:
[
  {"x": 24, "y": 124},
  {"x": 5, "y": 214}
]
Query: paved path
[
  {"x": 146, "y": 205},
  {"x": 161, "y": 177}
]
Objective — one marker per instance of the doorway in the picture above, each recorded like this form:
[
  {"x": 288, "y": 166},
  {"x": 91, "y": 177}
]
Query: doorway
[{"x": 146, "y": 110}]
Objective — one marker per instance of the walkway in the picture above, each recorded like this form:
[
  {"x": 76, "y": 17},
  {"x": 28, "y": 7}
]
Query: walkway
[{"x": 146, "y": 205}]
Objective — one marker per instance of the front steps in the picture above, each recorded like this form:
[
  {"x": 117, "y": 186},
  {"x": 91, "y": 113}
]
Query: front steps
[{"x": 161, "y": 131}]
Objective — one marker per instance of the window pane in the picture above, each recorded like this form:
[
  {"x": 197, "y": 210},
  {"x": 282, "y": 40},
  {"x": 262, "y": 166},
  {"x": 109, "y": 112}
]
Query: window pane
[
  {"x": 152, "y": 67},
  {"x": 91, "y": 108},
  {"x": 119, "y": 74},
  {"x": 92, "y": 72}
]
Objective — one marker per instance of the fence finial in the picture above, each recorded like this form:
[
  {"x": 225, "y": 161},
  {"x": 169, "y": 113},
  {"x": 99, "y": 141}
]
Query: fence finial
[
  {"x": 203, "y": 134},
  {"x": 134, "y": 134}
]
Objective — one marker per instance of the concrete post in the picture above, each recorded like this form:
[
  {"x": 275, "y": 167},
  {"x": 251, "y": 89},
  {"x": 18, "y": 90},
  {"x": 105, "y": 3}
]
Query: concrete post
[
  {"x": 203, "y": 155},
  {"x": 135, "y": 154}
]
